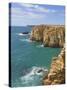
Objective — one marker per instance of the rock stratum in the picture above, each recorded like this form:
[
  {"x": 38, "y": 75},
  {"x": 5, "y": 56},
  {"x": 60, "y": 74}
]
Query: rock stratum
[
  {"x": 56, "y": 73},
  {"x": 50, "y": 35}
]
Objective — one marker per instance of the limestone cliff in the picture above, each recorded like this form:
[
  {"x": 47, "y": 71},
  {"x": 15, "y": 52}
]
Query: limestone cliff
[
  {"x": 37, "y": 33},
  {"x": 56, "y": 74},
  {"x": 50, "y": 35}
]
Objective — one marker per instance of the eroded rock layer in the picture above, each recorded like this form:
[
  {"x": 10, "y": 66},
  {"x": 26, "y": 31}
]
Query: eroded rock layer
[
  {"x": 56, "y": 73},
  {"x": 50, "y": 35}
]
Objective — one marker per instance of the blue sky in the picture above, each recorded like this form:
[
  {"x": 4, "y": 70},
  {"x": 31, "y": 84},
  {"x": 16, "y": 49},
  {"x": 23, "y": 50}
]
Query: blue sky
[{"x": 32, "y": 14}]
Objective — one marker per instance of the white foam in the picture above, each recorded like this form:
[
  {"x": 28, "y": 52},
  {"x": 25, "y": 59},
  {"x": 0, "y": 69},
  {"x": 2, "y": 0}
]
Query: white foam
[
  {"x": 21, "y": 34},
  {"x": 34, "y": 72},
  {"x": 40, "y": 46},
  {"x": 27, "y": 40}
]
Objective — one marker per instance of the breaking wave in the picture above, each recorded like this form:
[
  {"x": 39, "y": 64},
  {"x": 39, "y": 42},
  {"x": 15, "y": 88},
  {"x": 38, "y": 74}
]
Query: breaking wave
[
  {"x": 26, "y": 40},
  {"x": 35, "y": 75},
  {"x": 40, "y": 46},
  {"x": 21, "y": 34}
]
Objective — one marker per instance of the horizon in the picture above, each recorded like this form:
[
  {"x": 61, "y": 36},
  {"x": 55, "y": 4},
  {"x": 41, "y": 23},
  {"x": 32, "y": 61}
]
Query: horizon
[
  {"x": 39, "y": 24},
  {"x": 36, "y": 14}
]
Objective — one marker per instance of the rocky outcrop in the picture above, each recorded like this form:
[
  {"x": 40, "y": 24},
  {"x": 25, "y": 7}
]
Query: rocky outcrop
[
  {"x": 37, "y": 33},
  {"x": 52, "y": 36},
  {"x": 56, "y": 73}
]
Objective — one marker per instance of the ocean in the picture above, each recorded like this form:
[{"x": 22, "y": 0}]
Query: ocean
[{"x": 28, "y": 57}]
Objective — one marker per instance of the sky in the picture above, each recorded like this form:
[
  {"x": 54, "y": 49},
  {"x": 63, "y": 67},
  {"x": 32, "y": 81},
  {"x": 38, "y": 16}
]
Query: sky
[{"x": 35, "y": 14}]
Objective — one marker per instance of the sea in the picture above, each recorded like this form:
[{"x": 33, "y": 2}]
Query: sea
[{"x": 30, "y": 60}]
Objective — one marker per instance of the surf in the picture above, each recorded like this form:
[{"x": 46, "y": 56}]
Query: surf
[
  {"x": 34, "y": 75},
  {"x": 22, "y": 34},
  {"x": 39, "y": 46},
  {"x": 26, "y": 40}
]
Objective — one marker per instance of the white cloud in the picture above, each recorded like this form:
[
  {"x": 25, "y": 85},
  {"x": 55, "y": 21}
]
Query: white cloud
[
  {"x": 43, "y": 9},
  {"x": 29, "y": 5},
  {"x": 18, "y": 12},
  {"x": 15, "y": 10},
  {"x": 36, "y": 7},
  {"x": 35, "y": 15}
]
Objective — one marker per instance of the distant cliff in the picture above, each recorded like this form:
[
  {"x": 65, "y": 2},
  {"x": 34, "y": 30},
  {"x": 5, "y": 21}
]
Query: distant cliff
[
  {"x": 50, "y": 35},
  {"x": 56, "y": 73}
]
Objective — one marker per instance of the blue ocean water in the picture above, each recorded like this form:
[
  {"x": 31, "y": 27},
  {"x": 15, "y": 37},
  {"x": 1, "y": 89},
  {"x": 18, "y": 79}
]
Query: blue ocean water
[{"x": 27, "y": 57}]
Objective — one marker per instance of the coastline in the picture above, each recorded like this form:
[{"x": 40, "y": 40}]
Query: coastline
[
  {"x": 56, "y": 73},
  {"x": 52, "y": 36}
]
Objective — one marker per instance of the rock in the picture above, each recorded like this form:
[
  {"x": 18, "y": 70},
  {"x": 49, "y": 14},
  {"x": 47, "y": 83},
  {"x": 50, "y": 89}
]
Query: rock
[
  {"x": 56, "y": 73},
  {"x": 54, "y": 37},
  {"x": 40, "y": 71},
  {"x": 47, "y": 82},
  {"x": 25, "y": 32},
  {"x": 50, "y": 35},
  {"x": 37, "y": 33}
]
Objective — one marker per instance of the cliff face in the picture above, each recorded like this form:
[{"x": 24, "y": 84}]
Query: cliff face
[
  {"x": 56, "y": 74},
  {"x": 52, "y": 36},
  {"x": 37, "y": 33}
]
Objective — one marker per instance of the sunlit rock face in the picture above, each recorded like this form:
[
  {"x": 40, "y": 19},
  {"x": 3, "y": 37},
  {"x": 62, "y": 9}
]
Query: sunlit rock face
[
  {"x": 54, "y": 36},
  {"x": 50, "y": 35},
  {"x": 56, "y": 73},
  {"x": 37, "y": 33}
]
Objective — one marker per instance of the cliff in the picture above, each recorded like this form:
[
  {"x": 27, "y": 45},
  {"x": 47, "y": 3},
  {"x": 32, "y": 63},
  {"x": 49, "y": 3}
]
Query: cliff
[
  {"x": 37, "y": 33},
  {"x": 56, "y": 74},
  {"x": 50, "y": 35}
]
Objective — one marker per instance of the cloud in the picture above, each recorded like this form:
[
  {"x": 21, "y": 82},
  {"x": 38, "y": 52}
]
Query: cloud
[
  {"x": 33, "y": 14},
  {"x": 41, "y": 9},
  {"x": 38, "y": 8},
  {"x": 32, "y": 9},
  {"x": 28, "y": 5},
  {"x": 18, "y": 12},
  {"x": 45, "y": 10}
]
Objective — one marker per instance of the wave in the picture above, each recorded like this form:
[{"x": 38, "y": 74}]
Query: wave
[
  {"x": 34, "y": 75},
  {"x": 21, "y": 34},
  {"x": 40, "y": 46},
  {"x": 26, "y": 40}
]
